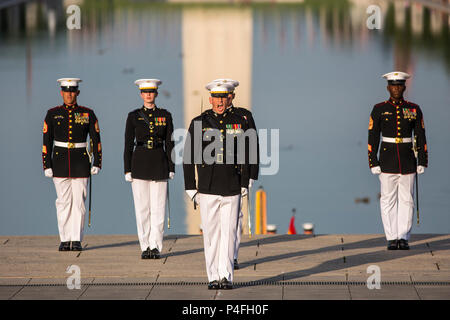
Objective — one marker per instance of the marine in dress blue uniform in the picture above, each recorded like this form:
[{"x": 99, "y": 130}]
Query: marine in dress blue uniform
[
  {"x": 148, "y": 166},
  {"x": 65, "y": 158},
  {"x": 393, "y": 122},
  {"x": 223, "y": 175},
  {"x": 254, "y": 149}
]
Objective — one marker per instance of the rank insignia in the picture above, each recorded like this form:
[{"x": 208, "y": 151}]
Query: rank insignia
[
  {"x": 82, "y": 118},
  {"x": 45, "y": 129},
  {"x": 370, "y": 123},
  {"x": 44, "y": 149},
  {"x": 99, "y": 147},
  {"x": 423, "y": 124},
  {"x": 369, "y": 147},
  {"x": 96, "y": 127}
]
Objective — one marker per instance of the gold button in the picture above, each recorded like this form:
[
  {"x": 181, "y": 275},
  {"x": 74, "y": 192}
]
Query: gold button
[
  {"x": 398, "y": 111},
  {"x": 398, "y": 133},
  {"x": 70, "y": 120},
  {"x": 151, "y": 131},
  {"x": 70, "y": 138},
  {"x": 221, "y": 121},
  {"x": 70, "y": 131},
  {"x": 398, "y": 128},
  {"x": 221, "y": 130},
  {"x": 398, "y": 122},
  {"x": 70, "y": 126},
  {"x": 150, "y": 114}
]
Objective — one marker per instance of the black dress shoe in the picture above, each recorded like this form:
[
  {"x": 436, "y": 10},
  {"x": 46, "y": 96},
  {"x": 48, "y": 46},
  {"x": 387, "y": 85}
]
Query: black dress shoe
[
  {"x": 392, "y": 245},
  {"x": 225, "y": 284},
  {"x": 403, "y": 244},
  {"x": 154, "y": 254},
  {"x": 64, "y": 246},
  {"x": 76, "y": 246},
  {"x": 236, "y": 264},
  {"x": 146, "y": 254},
  {"x": 213, "y": 285}
]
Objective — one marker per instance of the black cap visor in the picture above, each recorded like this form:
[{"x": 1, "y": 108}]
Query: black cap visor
[
  {"x": 69, "y": 89},
  {"x": 219, "y": 95},
  {"x": 396, "y": 82}
]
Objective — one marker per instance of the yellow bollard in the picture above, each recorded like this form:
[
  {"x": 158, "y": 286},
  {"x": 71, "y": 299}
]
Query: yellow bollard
[{"x": 260, "y": 212}]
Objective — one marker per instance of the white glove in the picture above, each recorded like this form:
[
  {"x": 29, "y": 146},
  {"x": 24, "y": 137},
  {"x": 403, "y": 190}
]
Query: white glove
[
  {"x": 171, "y": 175},
  {"x": 250, "y": 183},
  {"x": 95, "y": 170},
  {"x": 192, "y": 195},
  {"x": 376, "y": 170},
  {"x": 244, "y": 192},
  {"x": 420, "y": 169},
  {"x": 128, "y": 177},
  {"x": 48, "y": 173}
]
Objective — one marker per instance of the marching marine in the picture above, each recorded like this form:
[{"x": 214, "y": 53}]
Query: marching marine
[
  {"x": 148, "y": 166},
  {"x": 66, "y": 159},
  {"x": 223, "y": 175},
  {"x": 254, "y": 150},
  {"x": 395, "y": 120}
]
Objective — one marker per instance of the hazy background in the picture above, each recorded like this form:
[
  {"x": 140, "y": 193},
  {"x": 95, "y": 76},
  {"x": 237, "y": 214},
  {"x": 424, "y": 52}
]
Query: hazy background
[{"x": 315, "y": 74}]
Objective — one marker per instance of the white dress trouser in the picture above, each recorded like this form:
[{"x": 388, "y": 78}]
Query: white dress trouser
[
  {"x": 219, "y": 216},
  {"x": 239, "y": 232},
  {"x": 70, "y": 207},
  {"x": 149, "y": 203},
  {"x": 397, "y": 204}
]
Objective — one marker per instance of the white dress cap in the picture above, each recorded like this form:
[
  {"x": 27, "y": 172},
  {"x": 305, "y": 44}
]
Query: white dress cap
[
  {"x": 216, "y": 87},
  {"x": 69, "y": 82},
  {"x": 148, "y": 83},
  {"x": 234, "y": 83},
  {"x": 396, "y": 76}
]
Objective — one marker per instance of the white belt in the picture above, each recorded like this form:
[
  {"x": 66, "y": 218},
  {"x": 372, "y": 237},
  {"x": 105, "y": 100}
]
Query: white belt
[
  {"x": 396, "y": 140},
  {"x": 70, "y": 145}
]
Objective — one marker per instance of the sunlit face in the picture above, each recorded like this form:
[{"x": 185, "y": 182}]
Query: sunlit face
[
  {"x": 230, "y": 99},
  {"x": 149, "y": 97},
  {"x": 396, "y": 90},
  {"x": 70, "y": 97},
  {"x": 219, "y": 104}
]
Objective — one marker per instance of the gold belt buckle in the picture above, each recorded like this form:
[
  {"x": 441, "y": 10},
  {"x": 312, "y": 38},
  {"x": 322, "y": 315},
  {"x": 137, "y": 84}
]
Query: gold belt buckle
[
  {"x": 398, "y": 140},
  {"x": 70, "y": 145},
  {"x": 149, "y": 144}
]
